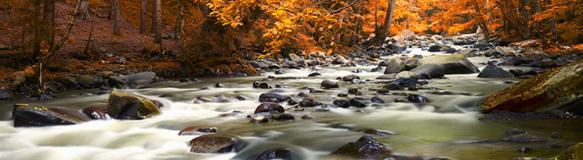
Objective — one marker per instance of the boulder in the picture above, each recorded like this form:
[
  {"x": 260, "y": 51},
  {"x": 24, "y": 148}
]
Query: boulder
[
  {"x": 574, "y": 152},
  {"x": 356, "y": 103},
  {"x": 394, "y": 66},
  {"x": 141, "y": 78},
  {"x": 328, "y": 84},
  {"x": 212, "y": 143},
  {"x": 273, "y": 97},
  {"x": 437, "y": 65},
  {"x": 556, "y": 88},
  {"x": 341, "y": 103},
  {"x": 492, "y": 71},
  {"x": 123, "y": 105},
  {"x": 29, "y": 116},
  {"x": 269, "y": 107},
  {"x": 364, "y": 148}
]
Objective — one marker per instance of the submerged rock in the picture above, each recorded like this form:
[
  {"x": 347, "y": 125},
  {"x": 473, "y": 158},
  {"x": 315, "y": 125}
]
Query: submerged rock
[
  {"x": 492, "y": 71},
  {"x": 123, "y": 105},
  {"x": 364, "y": 148},
  {"x": 556, "y": 88},
  {"x": 328, "y": 84},
  {"x": 212, "y": 143},
  {"x": 29, "y": 116}
]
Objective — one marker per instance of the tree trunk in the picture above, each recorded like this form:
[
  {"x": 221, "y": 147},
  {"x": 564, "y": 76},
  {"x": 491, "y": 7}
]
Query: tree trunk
[
  {"x": 48, "y": 27},
  {"x": 481, "y": 21},
  {"x": 85, "y": 9},
  {"x": 384, "y": 30},
  {"x": 525, "y": 18},
  {"x": 117, "y": 18},
  {"x": 180, "y": 25},
  {"x": 357, "y": 24},
  {"x": 156, "y": 22},
  {"x": 143, "y": 14},
  {"x": 36, "y": 29},
  {"x": 376, "y": 9}
]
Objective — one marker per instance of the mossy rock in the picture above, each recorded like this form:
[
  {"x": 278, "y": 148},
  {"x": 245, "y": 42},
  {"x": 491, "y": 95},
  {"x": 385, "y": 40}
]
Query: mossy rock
[
  {"x": 28, "y": 116},
  {"x": 123, "y": 105},
  {"x": 574, "y": 152},
  {"x": 553, "y": 89}
]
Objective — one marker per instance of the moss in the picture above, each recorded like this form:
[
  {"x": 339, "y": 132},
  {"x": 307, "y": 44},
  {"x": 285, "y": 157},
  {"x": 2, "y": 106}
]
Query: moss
[
  {"x": 574, "y": 152},
  {"x": 548, "y": 90}
]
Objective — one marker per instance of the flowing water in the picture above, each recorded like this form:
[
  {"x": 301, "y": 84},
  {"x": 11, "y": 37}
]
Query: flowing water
[{"x": 446, "y": 127}]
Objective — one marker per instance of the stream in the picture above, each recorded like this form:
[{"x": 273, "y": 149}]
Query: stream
[{"x": 449, "y": 126}]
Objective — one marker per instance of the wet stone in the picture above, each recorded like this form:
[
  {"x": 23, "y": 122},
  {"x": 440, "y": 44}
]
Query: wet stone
[
  {"x": 341, "y": 103},
  {"x": 364, "y": 148},
  {"x": 315, "y": 74},
  {"x": 328, "y": 84},
  {"x": 356, "y": 103},
  {"x": 414, "y": 98},
  {"x": 377, "y": 100},
  {"x": 212, "y": 143},
  {"x": 273, "y": 97},
  {"x": 283, "y": 117},
  {"x": 269, "y": 107},
  {"x": 308, "y": 102},
  {"x": 95, "y": 112},
  {"x": 198, "y": 130}
]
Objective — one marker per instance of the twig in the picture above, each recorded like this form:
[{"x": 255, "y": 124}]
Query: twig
[
  {"x": 343, "y": 8},
  {"x": 66, "y": 36}
]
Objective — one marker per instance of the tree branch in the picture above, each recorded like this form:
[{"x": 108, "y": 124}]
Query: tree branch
[{"x": 343, "y": 8}]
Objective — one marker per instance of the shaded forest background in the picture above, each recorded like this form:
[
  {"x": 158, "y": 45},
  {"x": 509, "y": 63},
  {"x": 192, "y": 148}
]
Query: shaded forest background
[{"x": 180, "y": 38}]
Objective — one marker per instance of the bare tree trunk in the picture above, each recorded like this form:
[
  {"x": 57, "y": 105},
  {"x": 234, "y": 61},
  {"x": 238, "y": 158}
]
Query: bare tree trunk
[
  {"x": 36, "y": 29},
  {"x": 384, "y": 30},
  {"x": 48, "y": 27},
  {"x": 143, "y": 15},
  {"x": 376, "y": 9},
  {"x": 156, "y": 22},
  {"x": 85, "y": 9},
  {"x": 525, "y": 19},
  {"x": 111, "y": 10},
  {"x": 117, "y": 19},
  {"x": 357, "y": 24},
  {"x": 180, "y": 26}
]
